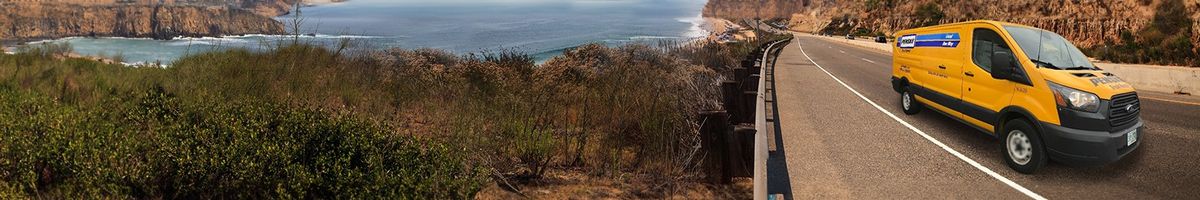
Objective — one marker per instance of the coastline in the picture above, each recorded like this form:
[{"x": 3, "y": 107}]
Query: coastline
[
  {"x": 694, "y": 28},
  {"x": 9, "y": 45},
  {"x": 311, "y": 3},
  {"x": 723, "y": 30},
  {"x": 166, "y": 21}
]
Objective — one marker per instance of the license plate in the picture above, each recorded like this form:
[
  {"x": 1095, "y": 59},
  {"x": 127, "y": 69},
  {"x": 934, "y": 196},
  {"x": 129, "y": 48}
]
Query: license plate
[{"x": 1131, "y": 137}]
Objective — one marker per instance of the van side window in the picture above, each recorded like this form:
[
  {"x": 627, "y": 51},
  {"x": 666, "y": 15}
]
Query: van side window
[{"x": 985, "y": 43}]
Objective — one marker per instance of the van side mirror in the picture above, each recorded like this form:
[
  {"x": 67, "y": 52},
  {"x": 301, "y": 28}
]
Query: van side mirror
[{"x": 1002, "y": 65}]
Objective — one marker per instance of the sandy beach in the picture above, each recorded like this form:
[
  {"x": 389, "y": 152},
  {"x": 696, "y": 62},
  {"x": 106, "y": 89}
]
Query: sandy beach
[
  {"x": 717, "y": 27},
  {"x": 8, "y": 48},
  {"x": 321, "y": 2}
]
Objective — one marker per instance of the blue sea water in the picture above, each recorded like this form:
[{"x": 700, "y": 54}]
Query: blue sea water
[{"x": 542, "y": 28}]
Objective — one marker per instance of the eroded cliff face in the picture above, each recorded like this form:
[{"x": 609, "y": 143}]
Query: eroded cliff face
[
  {"x": 1087, "y": 22},
  {"x": 261, "y": 7},
  {"x": 749, "y": 9},
  {"x": 46, "y": 19},
  {"x": 39, "y": 21}
]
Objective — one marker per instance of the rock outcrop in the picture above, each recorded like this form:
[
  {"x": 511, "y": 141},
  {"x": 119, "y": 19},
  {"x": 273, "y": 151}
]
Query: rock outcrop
[
  {"x": 45, "y": 19},
  {"x": 1086, "y": 22},
  {"x": 749, "y": 9},
  {"x": 262, "y": 7}
]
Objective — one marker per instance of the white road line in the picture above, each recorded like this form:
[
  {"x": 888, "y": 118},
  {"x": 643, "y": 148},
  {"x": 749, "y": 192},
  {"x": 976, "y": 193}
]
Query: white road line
[
  {"x": 843, "y": 52},
  {"x": 960, "y": 156},
  {"x": 864, "y": 59}
]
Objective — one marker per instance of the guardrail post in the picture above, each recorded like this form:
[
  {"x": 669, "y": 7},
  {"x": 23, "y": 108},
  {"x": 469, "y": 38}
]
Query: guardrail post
[
  {"x": 743, "y": 148},
  {"x": 732, "y": 99},
  {"x": 752, "y": 82},
  {"x": 748, "y": 108},
  {"x": 740, "y": 74},
  {"x": 713, "y": 134}
]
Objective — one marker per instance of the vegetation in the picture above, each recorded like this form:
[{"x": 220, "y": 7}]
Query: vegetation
[
  {"x": 878, "y": 4},
  {"x": 1167, "y": 40},
  {"x": 78, "y": 128},
  {"x": 154, "y": 145},
  {"x": 930, "y": 14},
  {"x": 303, "y": 121}
]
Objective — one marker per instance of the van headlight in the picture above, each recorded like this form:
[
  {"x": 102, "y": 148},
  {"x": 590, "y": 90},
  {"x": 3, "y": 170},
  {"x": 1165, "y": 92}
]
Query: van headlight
[{"x": 1074, "y": 99}]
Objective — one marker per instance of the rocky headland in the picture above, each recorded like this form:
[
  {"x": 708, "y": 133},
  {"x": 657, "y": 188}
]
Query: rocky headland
[{"x": 24, "y": 20}]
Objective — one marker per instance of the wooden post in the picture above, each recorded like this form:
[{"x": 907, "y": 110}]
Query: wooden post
[
  {"x": 751, "y": 83},
  {"x": 740, "y": 74},
  {"x": 747, "y": 107},
  {"x": 732, "y": 99},
  {"x": 742, "y": 147},
  {"x": 713, "y": 135}
]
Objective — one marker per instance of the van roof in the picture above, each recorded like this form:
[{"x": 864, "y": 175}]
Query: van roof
[{"x": 992, "y": 22}]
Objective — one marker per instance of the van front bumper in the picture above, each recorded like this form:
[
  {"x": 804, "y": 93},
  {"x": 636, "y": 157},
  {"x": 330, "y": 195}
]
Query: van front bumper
[{"x": 1084, "y": 147}]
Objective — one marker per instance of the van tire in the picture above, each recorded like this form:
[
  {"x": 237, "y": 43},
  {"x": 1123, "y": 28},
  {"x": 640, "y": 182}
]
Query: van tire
[
  {"x": 1021, "y": 139},
  {"x": 909, "y": 103}
]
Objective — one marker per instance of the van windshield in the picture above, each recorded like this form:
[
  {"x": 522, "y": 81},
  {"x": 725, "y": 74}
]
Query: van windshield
[{"x": 1048, "y": 49}]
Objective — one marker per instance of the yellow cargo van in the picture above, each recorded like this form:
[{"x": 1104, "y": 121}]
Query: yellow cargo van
[{"x": 1031, "y": 88}]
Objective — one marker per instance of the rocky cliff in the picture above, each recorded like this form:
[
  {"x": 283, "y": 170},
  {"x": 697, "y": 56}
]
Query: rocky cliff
[
  {"x": 749, "y": 9},
  {"x": 1087, "y": 22},
  {"x": 42, "y": 19},
  {"x": 262, "y": 7}
]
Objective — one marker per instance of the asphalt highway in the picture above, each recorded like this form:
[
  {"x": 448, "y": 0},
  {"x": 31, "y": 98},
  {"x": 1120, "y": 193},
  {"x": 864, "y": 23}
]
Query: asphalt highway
[{"x": 832, "y": 142}]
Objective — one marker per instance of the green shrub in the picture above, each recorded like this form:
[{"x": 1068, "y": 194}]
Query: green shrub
[
  {"x": 1167, "y": 39},
  {"x": 156, "y": 145},
  {"x": 930, "y": 14},
  {"x": 46, "y": 49}
]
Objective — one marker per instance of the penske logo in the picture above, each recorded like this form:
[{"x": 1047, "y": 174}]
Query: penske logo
[
  {"x": 1111, "y": 81},
  {"x": 1106, "y": 80},
  {"x": 943, "y": 40},
  {"x": 907, "y": 41}
]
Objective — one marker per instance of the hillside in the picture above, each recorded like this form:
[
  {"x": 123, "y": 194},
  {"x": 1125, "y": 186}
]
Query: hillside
[
  {"x": 261, "y": 7},
  {"x": 304, "y": 121},
  {"x": 43, "y": 19},
  {"x": 1089, "y": 23}
]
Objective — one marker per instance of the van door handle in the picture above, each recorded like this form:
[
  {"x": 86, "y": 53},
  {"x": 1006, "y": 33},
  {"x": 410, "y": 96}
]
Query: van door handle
[
  {"x": 941, "y": 67},
  {"x": 970, "y": 74}
]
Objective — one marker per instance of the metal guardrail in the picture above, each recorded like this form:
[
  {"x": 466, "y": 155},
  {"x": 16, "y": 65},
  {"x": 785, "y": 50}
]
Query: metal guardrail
[
  {"x": 760, "y": 124},
  {"x": 730, "y": 136}
]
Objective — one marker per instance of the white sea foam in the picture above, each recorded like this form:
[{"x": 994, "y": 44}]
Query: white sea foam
[
  {"x": 188, "y": 43},
  {"x": 650, "y": 37},
  {"x": 319, "y": 36},
  {"x": 51, "y": 40},
  {"x": 694, "y": 31},
  {"x": 123, "y": 38},
  {"x": 144, "y": 64}
]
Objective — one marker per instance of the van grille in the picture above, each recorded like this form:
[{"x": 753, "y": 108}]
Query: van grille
[{"x": 1119, "y": 115}]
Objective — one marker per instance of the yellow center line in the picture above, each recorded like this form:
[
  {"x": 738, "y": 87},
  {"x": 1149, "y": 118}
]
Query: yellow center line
[{"x": 1173, "y": 101}]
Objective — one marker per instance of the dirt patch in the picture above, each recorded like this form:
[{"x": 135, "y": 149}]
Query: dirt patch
[{"x": 576, "y": 184}]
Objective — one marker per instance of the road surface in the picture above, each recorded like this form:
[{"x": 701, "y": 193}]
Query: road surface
[{"x": 834, "y": 143}]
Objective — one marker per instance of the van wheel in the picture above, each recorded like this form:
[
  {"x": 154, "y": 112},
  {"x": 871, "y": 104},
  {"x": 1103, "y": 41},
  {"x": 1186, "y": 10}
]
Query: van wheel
[
  {"x": 1023, "y": 150},
  {"x": 909, "y": 103}
]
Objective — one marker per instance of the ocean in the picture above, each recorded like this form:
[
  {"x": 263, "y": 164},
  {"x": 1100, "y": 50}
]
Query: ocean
[{"x": 541, "y": 28}]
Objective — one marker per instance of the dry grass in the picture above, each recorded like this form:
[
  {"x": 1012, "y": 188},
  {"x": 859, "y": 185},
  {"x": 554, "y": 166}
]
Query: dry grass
[{"x": 611, "y": 114}]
